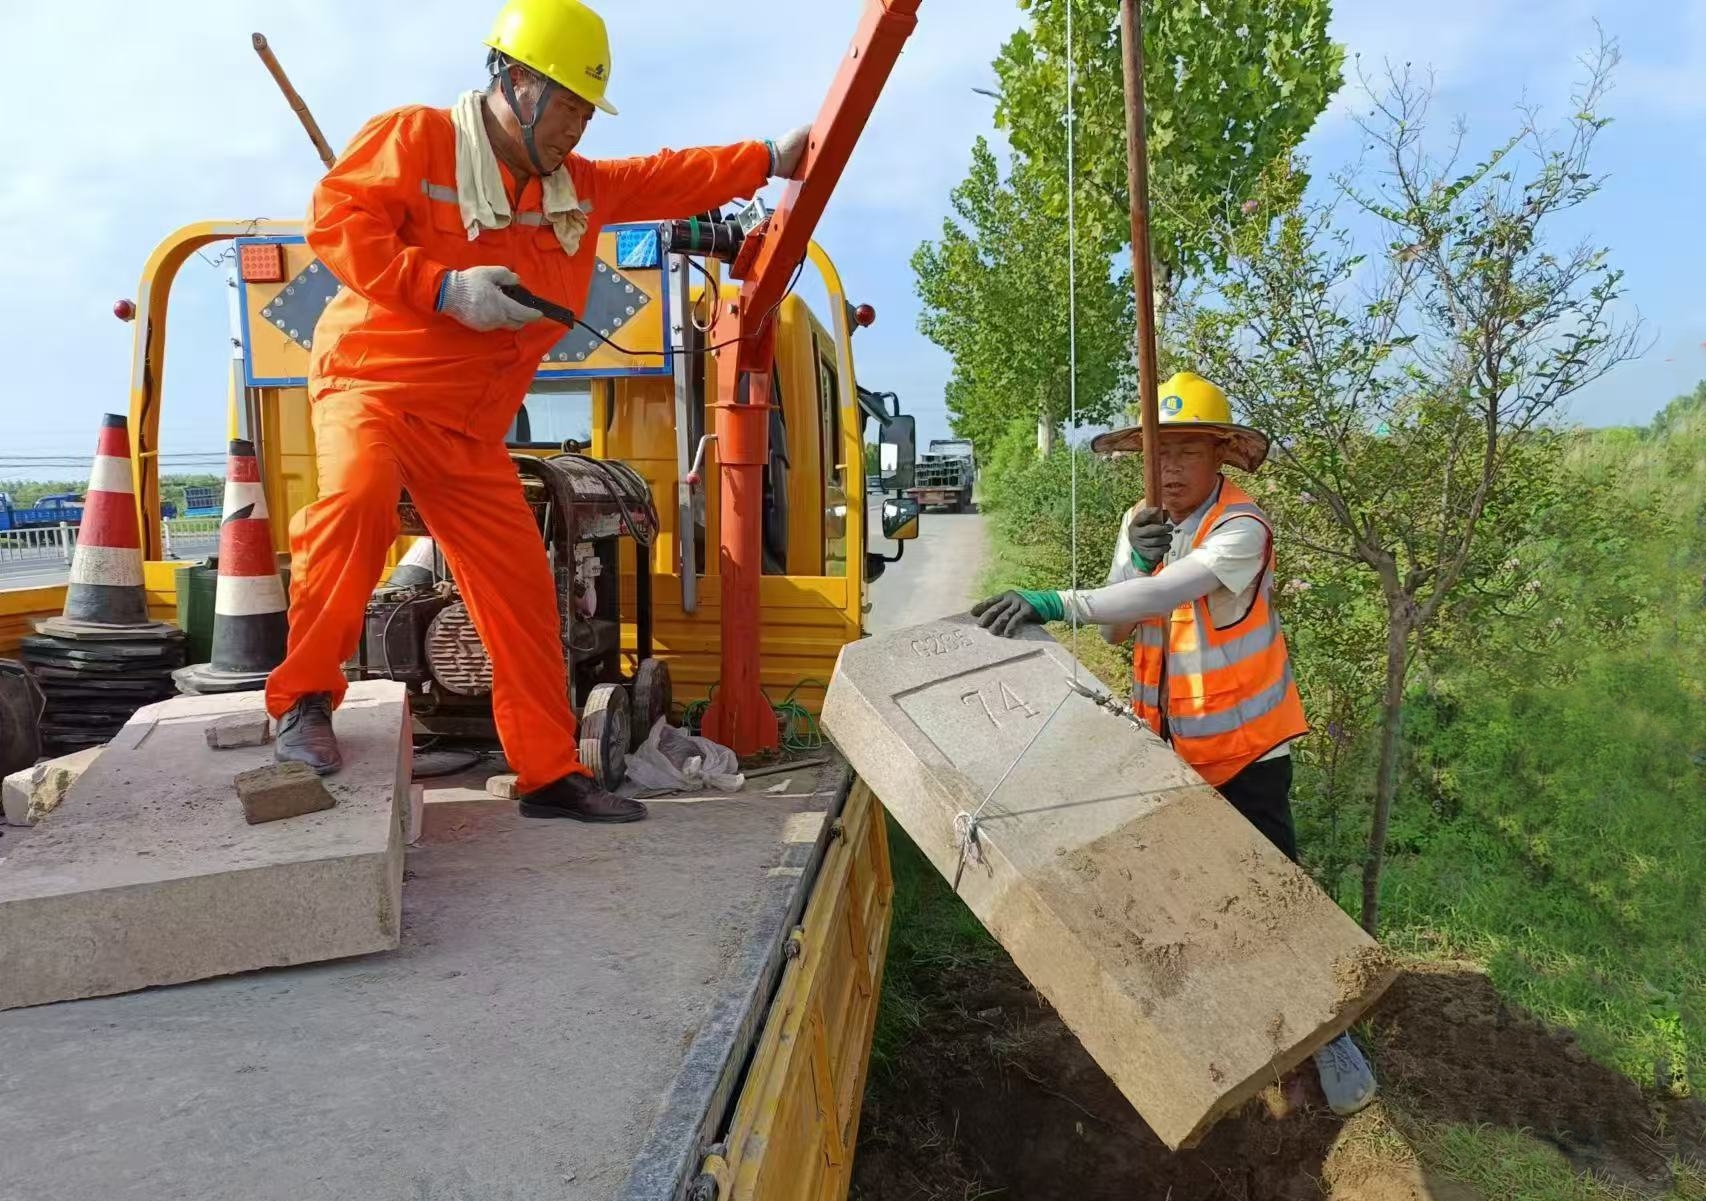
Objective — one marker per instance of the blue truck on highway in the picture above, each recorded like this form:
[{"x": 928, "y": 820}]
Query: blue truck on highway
[{"x": 47, "y": 512}]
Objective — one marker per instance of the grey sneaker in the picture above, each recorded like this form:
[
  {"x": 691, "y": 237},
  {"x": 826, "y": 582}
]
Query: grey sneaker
[
  {"x": 1347, "y": 1078},
  {"x": 305, "y": 735}
]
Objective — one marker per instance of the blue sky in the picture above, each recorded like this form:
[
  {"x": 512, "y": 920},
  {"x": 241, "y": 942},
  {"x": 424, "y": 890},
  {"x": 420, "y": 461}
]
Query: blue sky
[{"x": 170, "y": 119}]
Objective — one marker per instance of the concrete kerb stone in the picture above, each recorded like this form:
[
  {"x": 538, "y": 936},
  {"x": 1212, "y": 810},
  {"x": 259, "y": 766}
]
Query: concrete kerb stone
[
  {"x": 1192, "y": 960},
  {"x": 149, "y": 874},
  {"x": 31, "y": 793},
  {"x": 239, "y": 730},
  {"x": 280, "y": 790}
]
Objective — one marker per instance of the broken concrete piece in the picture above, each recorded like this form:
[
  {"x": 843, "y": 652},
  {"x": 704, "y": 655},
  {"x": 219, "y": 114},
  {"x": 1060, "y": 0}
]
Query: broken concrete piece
[
  {"x": 281, "y": 790},
  {"x": 504, "y": 787},
  {"x": 30, "y": 794},
  {"x": 1194, "y": 962},
  {"x": 148, "y": 874},
  {"x": 413, "y": 819},
  {"x": 239, "y": 730}
]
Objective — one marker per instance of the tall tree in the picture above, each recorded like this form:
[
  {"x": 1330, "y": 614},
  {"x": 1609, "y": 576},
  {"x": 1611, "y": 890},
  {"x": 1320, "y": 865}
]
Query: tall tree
[
  {"x": 995, "y": 295},
  {"x": 1411, "y": 395},
  {"x": 1230, "y": 86},
  {"x": 1228, "y": 89}
]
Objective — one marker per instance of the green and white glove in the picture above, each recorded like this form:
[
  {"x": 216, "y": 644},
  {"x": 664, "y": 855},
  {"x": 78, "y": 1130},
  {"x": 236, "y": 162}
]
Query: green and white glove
[
  {"x": 1149, "y": 534},
  {"x": 1006, "y": 614}
]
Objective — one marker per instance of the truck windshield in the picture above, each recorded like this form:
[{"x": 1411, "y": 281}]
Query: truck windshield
[{"x": 553, "y": 414}]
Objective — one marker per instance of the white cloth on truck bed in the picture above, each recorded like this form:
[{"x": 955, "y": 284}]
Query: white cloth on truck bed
[{"x": 674, "y": 761}]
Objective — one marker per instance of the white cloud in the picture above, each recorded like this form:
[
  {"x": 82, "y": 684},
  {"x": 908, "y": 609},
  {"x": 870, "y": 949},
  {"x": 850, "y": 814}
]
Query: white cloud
[{"x": 159, "y": 115}]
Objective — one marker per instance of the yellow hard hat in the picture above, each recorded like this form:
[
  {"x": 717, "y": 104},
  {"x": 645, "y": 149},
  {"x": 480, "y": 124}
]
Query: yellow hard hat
[
  {"x": 1192, "y": 404},
  {"x": 564, "y": 40}
]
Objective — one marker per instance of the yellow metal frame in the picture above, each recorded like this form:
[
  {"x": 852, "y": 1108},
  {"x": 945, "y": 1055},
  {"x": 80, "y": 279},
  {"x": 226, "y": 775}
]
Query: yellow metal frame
[
  {"x": 808, "y": 615},
  {"x": 792, "y": 1134}
]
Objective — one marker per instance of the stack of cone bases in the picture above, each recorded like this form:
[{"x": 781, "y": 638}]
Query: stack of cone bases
[
  {"x": 249, "y": 598},
  {"x": 103, "y": 658}
]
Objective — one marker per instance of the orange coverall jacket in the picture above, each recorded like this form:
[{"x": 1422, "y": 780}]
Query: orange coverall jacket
[
  {"x": 379, "y": 223},
  {"x": 406, "y": 397}
]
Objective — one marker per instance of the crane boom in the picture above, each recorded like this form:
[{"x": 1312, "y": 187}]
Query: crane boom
[{"x": 740, "y": 715}]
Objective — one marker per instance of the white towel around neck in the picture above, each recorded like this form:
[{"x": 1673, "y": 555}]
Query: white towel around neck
[{"x": 481, "y": 199}]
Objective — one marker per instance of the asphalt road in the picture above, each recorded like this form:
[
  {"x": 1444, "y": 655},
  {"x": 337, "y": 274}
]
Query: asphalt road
[
  {"x": 49, "y": 572},
  {"x": 938, "y": 574}
]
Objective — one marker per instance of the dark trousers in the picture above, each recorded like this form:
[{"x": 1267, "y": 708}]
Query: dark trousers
[{"x": 1259, "y": 793}]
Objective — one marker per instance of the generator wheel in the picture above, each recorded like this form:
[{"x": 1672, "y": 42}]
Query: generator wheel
[
  {"x": 603, "y": 738},
  {"x": 649, "y": 699}
]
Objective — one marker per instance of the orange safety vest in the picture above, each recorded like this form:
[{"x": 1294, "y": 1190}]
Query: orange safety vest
[
  {"x": 1232, "y": 696},
  {"x": 385, "y": 221}
]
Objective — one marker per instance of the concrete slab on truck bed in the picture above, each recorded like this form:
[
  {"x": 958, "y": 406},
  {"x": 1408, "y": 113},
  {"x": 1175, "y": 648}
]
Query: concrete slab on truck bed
[
  {"x": 566, "y": 1017},
  {"x": 1193, "y": 961},
  {"x": 148, "y": 874}
]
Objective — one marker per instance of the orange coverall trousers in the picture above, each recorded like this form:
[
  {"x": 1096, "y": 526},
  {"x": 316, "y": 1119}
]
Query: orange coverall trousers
[
  {"x": 406, "y": 397},
  {"x": 468, "y": 494}
]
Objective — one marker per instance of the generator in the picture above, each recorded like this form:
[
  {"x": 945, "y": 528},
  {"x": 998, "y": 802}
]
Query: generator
[{"x": 418, "y": 631}]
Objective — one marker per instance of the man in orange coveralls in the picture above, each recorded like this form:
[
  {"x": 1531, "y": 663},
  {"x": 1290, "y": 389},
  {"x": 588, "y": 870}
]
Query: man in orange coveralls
[{"x": 421, "y": 362}]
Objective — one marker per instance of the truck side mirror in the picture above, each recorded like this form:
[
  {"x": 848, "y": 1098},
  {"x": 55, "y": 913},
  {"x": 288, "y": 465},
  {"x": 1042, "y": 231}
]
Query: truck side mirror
[
  {"x": 896, "y": 453},
  {"x": 900, "y": 519}
]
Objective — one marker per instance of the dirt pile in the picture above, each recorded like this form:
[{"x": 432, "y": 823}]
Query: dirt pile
[{"x": 994, "y": 1093}]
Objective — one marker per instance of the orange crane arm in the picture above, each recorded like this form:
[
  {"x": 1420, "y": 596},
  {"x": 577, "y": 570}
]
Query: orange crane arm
[{"x": 740, "y": 716}]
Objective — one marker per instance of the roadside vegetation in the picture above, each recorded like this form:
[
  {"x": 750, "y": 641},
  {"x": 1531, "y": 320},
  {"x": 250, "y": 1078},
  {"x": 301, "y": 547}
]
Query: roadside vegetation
[{"x": 1497, "y": 618}]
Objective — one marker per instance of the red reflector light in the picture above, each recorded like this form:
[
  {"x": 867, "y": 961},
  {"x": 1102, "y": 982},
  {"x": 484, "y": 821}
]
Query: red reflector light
[
  {"x": 865, "y": 315},
  {"x": 124, "y": 310},
  {"x": 262, "y": 263}
]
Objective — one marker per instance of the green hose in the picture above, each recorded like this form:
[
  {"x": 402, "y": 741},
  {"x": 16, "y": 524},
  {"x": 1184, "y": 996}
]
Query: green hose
[{"x": 799, "y": 730}]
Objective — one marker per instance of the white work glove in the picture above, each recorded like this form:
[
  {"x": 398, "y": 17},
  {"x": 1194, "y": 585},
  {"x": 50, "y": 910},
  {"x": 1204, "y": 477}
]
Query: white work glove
[
  {"x": 787, "y": 152},
  {"x": 473, "y": 297}
]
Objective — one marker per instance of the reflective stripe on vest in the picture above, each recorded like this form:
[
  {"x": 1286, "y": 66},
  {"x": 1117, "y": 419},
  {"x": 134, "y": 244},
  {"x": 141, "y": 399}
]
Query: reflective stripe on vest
[
  {"x": 1185, "y": 663},
  {"x": 1225, "y": 721},
  {"x": 1203, "y": 658},
  {"x": 445, "y": 195}
]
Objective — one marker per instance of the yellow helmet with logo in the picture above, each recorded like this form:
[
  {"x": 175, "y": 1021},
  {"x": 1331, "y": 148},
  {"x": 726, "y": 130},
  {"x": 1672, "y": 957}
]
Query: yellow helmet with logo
[
  {"x": 1192, "y": 404},
  {"x": 564, "y": 40}
]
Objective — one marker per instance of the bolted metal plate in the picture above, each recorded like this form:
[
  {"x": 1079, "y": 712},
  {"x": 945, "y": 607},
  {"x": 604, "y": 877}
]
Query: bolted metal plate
[
  {"x": 612, "y": 303},
  {"x": 294, "y": 311},
  {"x": 455, "y": 656}
]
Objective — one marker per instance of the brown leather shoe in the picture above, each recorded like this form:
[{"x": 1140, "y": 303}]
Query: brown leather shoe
[{"x": 580, "y": 798}]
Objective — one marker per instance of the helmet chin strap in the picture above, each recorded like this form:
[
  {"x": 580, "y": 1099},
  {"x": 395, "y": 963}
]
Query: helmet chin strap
[{"x": 547, "y": 87}]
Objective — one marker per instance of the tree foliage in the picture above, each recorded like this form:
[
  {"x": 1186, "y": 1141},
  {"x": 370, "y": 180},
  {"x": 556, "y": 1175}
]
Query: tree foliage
[
  {"x": 1410, "y": 394},
  {"x": 1229, "y": 88},
  {"x": 994, "y": 292}
]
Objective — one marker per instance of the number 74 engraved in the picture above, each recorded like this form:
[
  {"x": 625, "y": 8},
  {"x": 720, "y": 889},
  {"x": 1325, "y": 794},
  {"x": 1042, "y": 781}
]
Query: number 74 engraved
[{"x": 1009, "y": 702}]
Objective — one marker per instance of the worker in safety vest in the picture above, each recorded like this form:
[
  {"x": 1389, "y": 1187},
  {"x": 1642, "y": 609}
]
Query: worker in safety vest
[
  {"x": 421, "y": 361},
  {"x": 1191, "y": 583}
]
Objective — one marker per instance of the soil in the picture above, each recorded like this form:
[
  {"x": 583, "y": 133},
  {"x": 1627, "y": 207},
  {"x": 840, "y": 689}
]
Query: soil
[{"x": 994, "y": 1095}]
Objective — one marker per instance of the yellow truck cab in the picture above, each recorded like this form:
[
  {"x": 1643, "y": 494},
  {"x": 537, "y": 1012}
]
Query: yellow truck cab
[{"x": 682, "y": 1008}]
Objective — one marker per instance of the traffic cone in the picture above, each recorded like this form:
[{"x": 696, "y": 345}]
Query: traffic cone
[
  {"x": 105, "y": 597},
  {"x": 249, "y": 599}
]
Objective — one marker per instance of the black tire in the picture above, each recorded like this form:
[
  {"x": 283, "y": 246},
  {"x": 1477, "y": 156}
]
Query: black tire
[
  {"x": 649, "y": 699},
  {"x": 603, "y": 737}
]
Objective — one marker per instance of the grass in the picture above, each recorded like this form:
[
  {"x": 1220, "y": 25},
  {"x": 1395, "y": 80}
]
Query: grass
[
  {"x": 931, "y": 932},
  {"x": 1550, "y": 835},
  {"x": 1388, "y": 1142}
]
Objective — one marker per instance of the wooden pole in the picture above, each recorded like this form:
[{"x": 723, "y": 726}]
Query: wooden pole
[
  {"x": 1140, "y": 235},
  {"x": 295, "y": 101}
]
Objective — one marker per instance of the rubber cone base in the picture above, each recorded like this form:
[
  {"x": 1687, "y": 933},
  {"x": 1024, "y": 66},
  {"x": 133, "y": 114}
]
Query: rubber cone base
[
  {"x": 205, "y": 678},
  {"x": 65, "y": 627}
]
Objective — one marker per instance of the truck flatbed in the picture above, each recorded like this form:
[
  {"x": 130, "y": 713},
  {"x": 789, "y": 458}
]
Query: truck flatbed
[{"x": 568, "y": 1016}]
